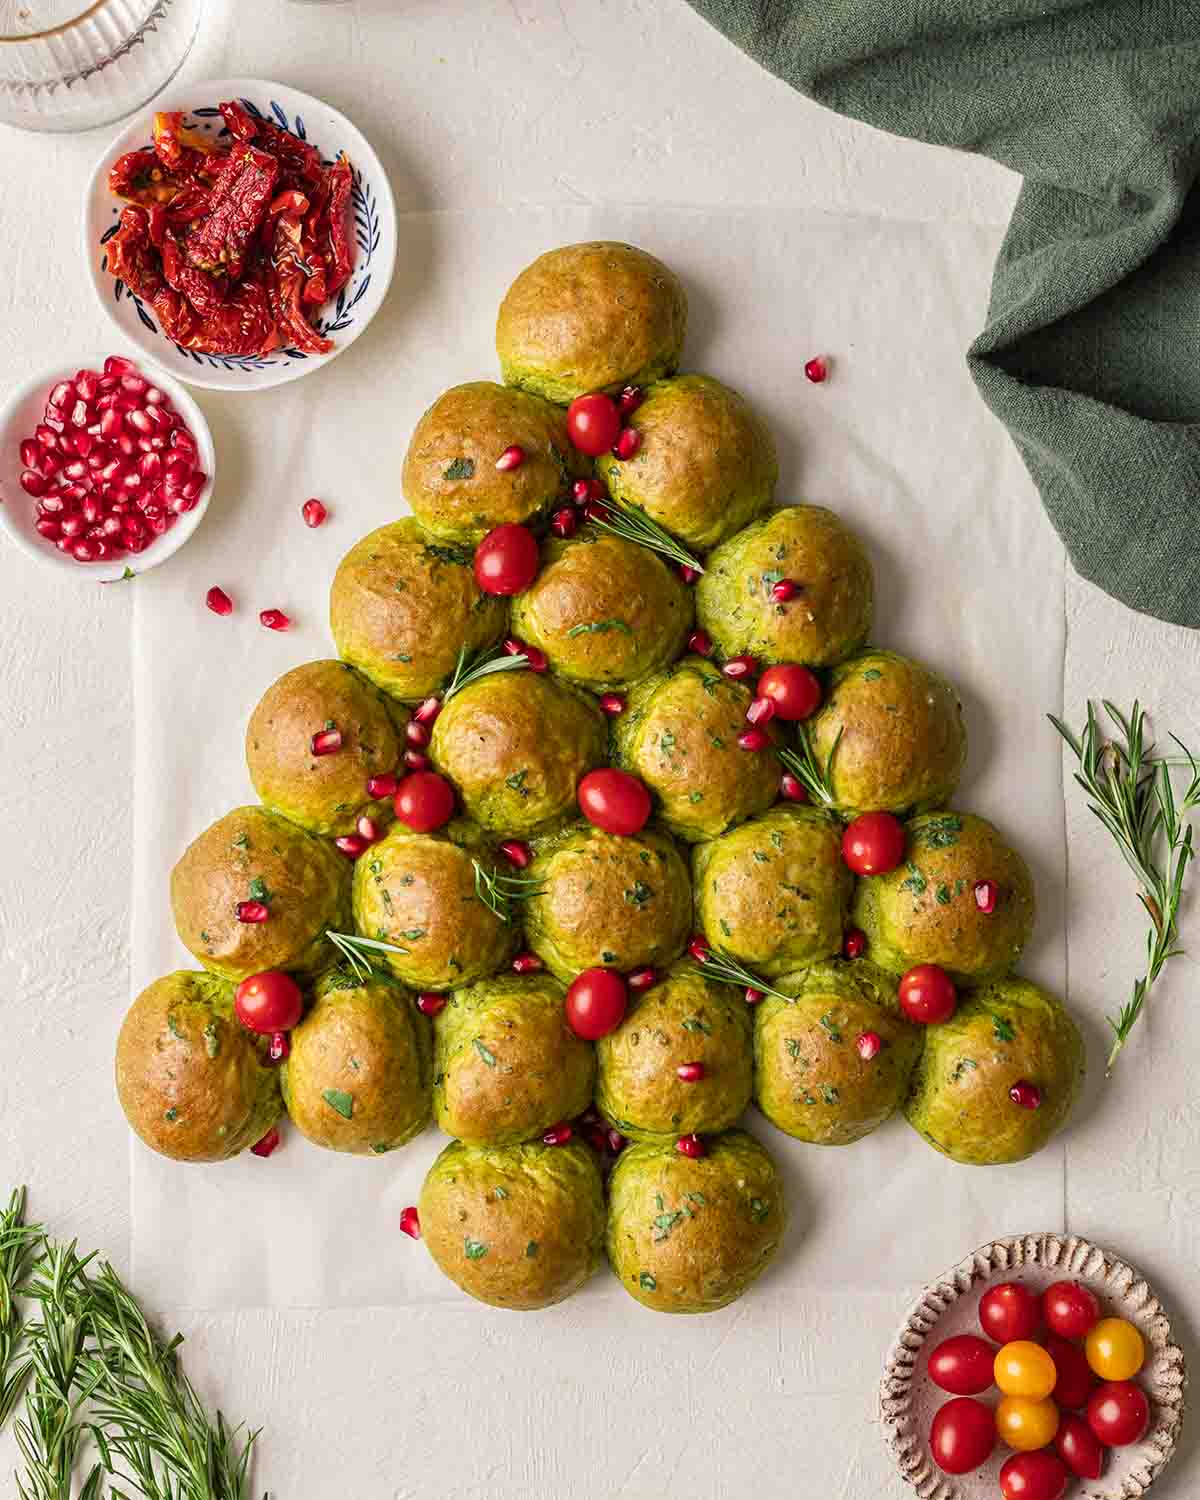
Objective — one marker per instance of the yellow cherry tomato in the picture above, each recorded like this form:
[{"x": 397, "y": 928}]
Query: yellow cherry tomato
[
  {"x": 1115, "y": 1349},
  {"x": 1023, "y": 1368},
  {"x": 1025, "y": 1424}
]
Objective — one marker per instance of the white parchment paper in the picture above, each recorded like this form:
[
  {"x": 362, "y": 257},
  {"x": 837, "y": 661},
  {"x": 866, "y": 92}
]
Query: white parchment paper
[{"x": 968, "y": 574}]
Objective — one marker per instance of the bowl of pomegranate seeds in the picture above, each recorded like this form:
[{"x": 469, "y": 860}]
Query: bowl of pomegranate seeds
[
  {"x": 240, "y": 233},
  {"x": 106, "y": 468}
]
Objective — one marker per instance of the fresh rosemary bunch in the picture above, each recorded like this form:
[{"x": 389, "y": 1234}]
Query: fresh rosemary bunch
[
  {"x": 357, "y": 951},
  {"x": 807, "y": 768},
  {"x": 723, "y": 966},
  {"x": 499, "y": 892},
  {"x": 1130, "y": 791},
  {"x": 634, "y": 525},
  {"x": 18, "y": 1242},
  {"x": 470, "y": 668}
]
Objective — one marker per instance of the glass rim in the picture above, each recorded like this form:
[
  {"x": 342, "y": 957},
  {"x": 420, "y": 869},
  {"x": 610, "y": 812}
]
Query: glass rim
[{"x": 10, "y": 38}]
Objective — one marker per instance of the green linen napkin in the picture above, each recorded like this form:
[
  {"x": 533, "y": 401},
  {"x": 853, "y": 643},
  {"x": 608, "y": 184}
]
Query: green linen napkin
[{"x": 1091, "y": 351}]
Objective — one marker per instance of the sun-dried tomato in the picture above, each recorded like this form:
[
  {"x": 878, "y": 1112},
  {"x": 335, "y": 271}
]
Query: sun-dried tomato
[
  {"x": 139, "y": 177},
  {"x": 206, "y": 293},
  {"x": 183, "y": 152},
  {"x": 237, "y": 206},
  {"x": 131, "y": 256},
  {"x": 338, "y": 224},
  {"x": 242, "y": 126},
  {"x": 287, "y": 289}
]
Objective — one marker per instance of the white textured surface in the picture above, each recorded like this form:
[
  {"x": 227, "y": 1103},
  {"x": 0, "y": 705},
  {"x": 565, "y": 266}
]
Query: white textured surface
[{"x": 475, "y": 103}]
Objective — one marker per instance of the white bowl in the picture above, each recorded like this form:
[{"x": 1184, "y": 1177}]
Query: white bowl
[
  {"x": 343, "y": 320},
  {"x": 21, "y": 413},
  {"x": 908, "y": 1398}
]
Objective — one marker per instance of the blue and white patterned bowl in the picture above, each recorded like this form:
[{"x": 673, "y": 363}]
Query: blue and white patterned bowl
[{"x": 342, "y": 319}]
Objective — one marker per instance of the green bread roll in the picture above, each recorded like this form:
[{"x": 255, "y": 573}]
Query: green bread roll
[
  {"x": 692, "y": 1235},
  {"x": 706, "y": 466},
  {"x": 831, "y": 612},
  {"x": 898, "y": 727},
  {"x": 515, "y": 1226},
  {"x": 591, "y": 317},
  {"x": 506, "y": 1064},
  {"x": 810, "y": 1079},
  {"x": 926, "y": 911},
  {"x": 1001, "y": 1034},
  {"x": 195, "y": 1085},
  {"x": 774, "y": 892}
]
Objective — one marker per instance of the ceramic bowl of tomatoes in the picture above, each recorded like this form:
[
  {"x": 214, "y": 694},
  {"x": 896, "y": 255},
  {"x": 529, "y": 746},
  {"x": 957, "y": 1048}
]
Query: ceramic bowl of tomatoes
[
  {"x": 239, "y": 233},
  {"x": 1042, "y": 1367}
]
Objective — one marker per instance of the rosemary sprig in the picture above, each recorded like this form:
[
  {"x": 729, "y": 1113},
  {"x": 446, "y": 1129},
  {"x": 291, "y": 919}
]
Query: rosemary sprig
[
  {"x": 350, "y": 945},
  {"x": 807, "y": 768},
  {"x": 1130, "y": 791},
  {"x": 723, "y": 966},
  {"x": 499, "y": 892},
  {"x": 634, "y": 525},
  {"x": 471, "y": 667},
  {"x": 18, "y": 1241}
]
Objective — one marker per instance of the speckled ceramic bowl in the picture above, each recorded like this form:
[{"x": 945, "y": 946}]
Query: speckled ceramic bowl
[{"x": 908, "y": 1398}]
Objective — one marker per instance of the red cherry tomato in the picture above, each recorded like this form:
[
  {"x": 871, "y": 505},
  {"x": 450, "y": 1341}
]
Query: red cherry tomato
[
  {"x": 795, "y": 691},
  {"x": 1041, "y": 1475},
  {"x": 269, "y": 1002},
  {"x": 1009, "y": 1311},
  {"x": 595, "y": 1004},
  {"x": 873, "y": 843},
  {"x": 962, "y": 1365},
  {"x": 614, "y": 801},
  {"x": 507, "y": 560},
  {"x": 928, "y": 996},
  {"x": 962, "y": 1436},
  {"x": 424, "y": 801},
  {"x": 1070, "y": 1309},
  {"x": 1118, "y": 1413},
  {"x": 1075, "y": 1381},
  {"x": 593, "y": 423},
  {"x": 1079, "y": 1447}
]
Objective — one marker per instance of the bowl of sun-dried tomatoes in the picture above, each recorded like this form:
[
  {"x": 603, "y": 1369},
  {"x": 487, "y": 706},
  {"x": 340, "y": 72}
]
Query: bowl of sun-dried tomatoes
[{"x": 241, "y": 233}]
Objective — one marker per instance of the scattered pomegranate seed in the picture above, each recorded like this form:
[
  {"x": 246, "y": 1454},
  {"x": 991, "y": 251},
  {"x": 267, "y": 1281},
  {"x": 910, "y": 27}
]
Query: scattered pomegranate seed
[
  {"x": 596, "y": 1136},
  {"x": 817, "y": 370},
  {"x": 642, "y": 979},
  {"x": 688, "y": 574},
  {"x": 700, "y": 642},
  {"x": 630, "y": 399},
  {"x": 691, "y": 1145},
  {"x": 785, "y": 589},
  {"x": 380, "y": 787},
  {"x": 534, "y": 656},
  {"x": 558, "y": 1135},
  {"x": 314, "y": 513},
  {"x": 628, "y": 443},
  {"x": 279, "y": 1047},
  {"x": 430, "y": 1004},
  {"x": 761, "y": 711},
  {"x": 327, "y": 742},
  {"x": 269, "y": 1143},
  {"x": 410, "y": 1223},
  {"x": 753, "y": 996},
  {"x": 274, "y": 619},
  {"x": 416, "y": 760},
  {"x": 417, "y": 734},
  {"x": 352, "y": 845},
  {"x": 699, "y": 949},
  {"x": 1026, "y": 1094},
  {"x": 854, "y": 944},
  {"x": 252, "y": 912},
  {"x": 691, "y": 1072},
  {"x": 584, "y": 490},
  {"x": 564, "y": 523},
  {"x": 791, "y": 788},
  {"x": 613, "y": 704},
  {"x": 426, "y": 712},
  {"x": 868, "y": 1045},
  {"x": 367, "y": 829},
  {"x": 512, "y": 458},
  {"x": 596, "y": 510},
  {"x": 753, "y": 739},
  {"x": 517, "y": 853},
  {"x": 739, "y": 667},
  {"x": 527, "y": 963},
  {"x": 616, "y": 1142},
  {"x": 987, "y": 893}
]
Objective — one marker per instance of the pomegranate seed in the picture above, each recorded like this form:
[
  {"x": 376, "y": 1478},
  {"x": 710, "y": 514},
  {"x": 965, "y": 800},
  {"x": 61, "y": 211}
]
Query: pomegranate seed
[
  {"x": 51, "y": 505},
  {"x": 564, "y": 522},
  {"x": 155, "y": 397},
  {"x": 252, "y": 912},
  {"x": 517, "y": 853},
  {"x": 111, "y": 525},
  {"x": 791, "y": 788},
  {"x": 535, "y": 658},
  {"x": 87, "y": 383},
  {"x": 987, "y": 893},
  {"x": 596, "y": 510},
  {"x": 691, "y": 1145},
  {"x": 410, "y": 1223},
  {"x": 512, "y": 646},
  {"x": 62, "y": 396},
  {"x": 512, "y": 458},
  {"x": 184, "y": 443},
  {"x": 314, "y": 513},
  {"x": 91, "y": 510},
  {"x": 99, "y": 458},
  {"x": 33, "y": 483},
  {"x": 430, "y": 1004},
  {"x": 700, "y": 642},
  {"x": 416, "y": 761},
  {"x": 132, "y": 481},
  {"x": 868, "y": 1045},
  {"x": 368, "y": 829},
  {"x": 417, "y": 734},
  {"x": 117, "y": 365},
  {"x": 269, "y": 1143},
  {"x": 761, "y": 711},
  {"x": 179, "y": 505},
  {"x": 753, "y": 996},
  {"x": 126, "y": 444},
  {"x": 426, "y": 712},
  {"x": 584, "y": 490},
  {"x": 139, "y": 421},
  {"x": 854, "y": 944},
  {"x": 47, "y": 527},
  {"x": 85, "y": 550},
  {"x": 612, "y": 704},
  {"x": 630, "y": 399},
  {"x": 590, "y": 1116},
  {"x": 596, "y": 1137},
  {"x": 688, "y": 574},
  {"x": 691, "y": 1072},
  {"x": 72, "y": 526},
  {"x": 738, "y": 667},
  {"x": 753, "y": 739},
  {"x": 785, "y": 589},
  {"x": 351, "y": 845},
  {"x": 628, "y": 443},
  {"x": 274, "y": 619},
  {"x": 83, "y": 443},
  {"x": 641, "y": 979},
  {"x": 279, "y": 1047},
  {"x": 558, "y": 1135},
  {"x": 217, "y": 599},
  {"x": 133, "y": 384},
  {"x": 699, "y": 949},
  {"x": 31, "y": 452},
  {"x": 326, "y": 741},
  {"x": 817, "y": 370},
  {"x": 49, "y": 463},
  {"x": 77, "y": 469},
  {"x": 193, "y": 489},
  {"x": 1026, "y": 1094},
  {"x": 616, "y": 1142},
  {"x": 81, "y": 415},
  {"x": 382, "y": 786},
  {"x": 527, "y": 963}
]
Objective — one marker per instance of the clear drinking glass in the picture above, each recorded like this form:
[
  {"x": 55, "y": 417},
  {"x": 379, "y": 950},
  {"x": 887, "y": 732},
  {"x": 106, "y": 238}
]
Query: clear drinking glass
[{"x": 69, "y": 65}]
